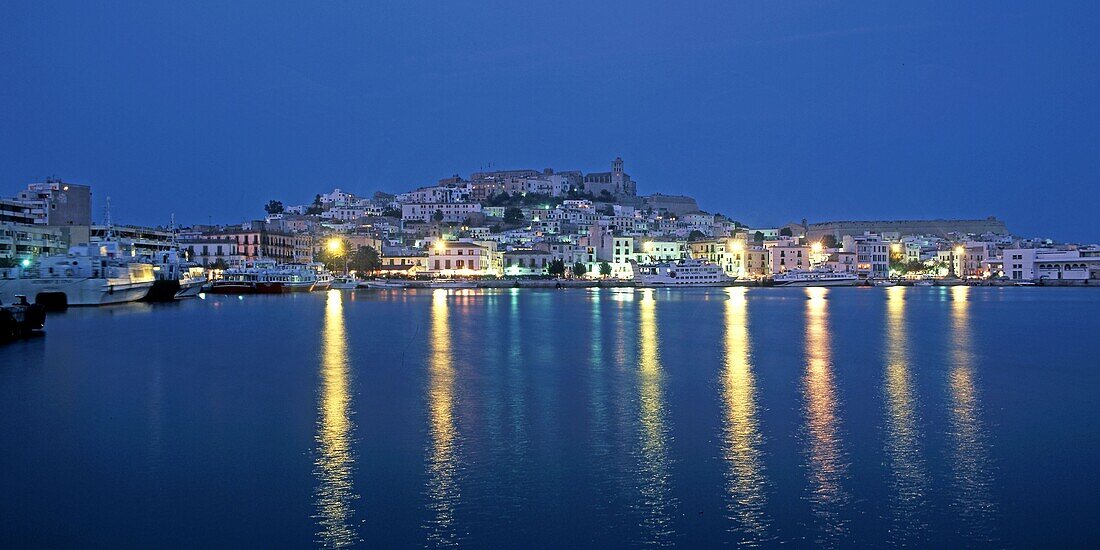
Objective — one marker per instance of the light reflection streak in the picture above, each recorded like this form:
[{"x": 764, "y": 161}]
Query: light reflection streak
[
  {"x": 334, "y": 465},
  {"x": 443, "y": 491},
  {"x": 972, "y": 477},
  {"x": 745, "y": 480},
  {"x": 908, "y": 480},
  {"x": 825, "y": 460},
  {"x": 657, "y": 505}
]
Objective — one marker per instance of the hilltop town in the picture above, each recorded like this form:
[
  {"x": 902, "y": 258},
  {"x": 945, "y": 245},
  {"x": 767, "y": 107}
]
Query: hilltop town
[{"x": 532, "y": 223}]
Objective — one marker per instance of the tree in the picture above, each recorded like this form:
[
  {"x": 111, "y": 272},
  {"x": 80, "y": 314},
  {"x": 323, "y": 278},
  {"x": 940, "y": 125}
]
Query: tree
[
  {"x": 8, "y": 263},
  {"x": 758, "y": 237},
  {"x": 605, "y": 269},
  {"x": 365, "y": 260},
  {"x": 391, "y": 212},
  {"x": 696, "y": 235},
  {"x": 315, "y": 209},
  {"x": 786, "y": 232},
  {"x": 829, "y": 241},
  {"x": 557, "y": 268},
  {"x": 219, "y": 264},
  {"x": 513, "y": 215},
  {"x": 579, "y": 269},
  {"x": 274, "y": 207},
  {"x": 605, "y": 196}
]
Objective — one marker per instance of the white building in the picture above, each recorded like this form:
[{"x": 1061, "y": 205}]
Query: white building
[
  {"x": 872, "y": 254},
  {"x": 1041, "y": 264},
  {"x": 452, "y": 212}
]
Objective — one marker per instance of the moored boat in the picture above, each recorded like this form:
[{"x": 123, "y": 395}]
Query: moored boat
[
  {"x": 815, "y": 277},
  {"x": 85, "y": 276},
  {"x": 681, "y": 273}
]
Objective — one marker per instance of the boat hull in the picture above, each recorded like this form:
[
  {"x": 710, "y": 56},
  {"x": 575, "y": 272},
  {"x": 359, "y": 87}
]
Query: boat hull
[
  {"x": 852, "y": 282},
  {"x": 226, "y": 287},
  {"x": 77, "y": 291}
]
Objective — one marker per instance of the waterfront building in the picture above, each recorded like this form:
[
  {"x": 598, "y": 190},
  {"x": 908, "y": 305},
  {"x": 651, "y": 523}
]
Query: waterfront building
[
  {"x": 211, "y": 251},
  {"x": 965, "y": 260},
  {"x": 1048, "y": 264},
  {"x": 872, "y": 254},
  {"x": 787, "y": 254},
  {"x": 27, "y": 241},
  {"x": 54, "y": 202},
  {"x": 459, "y": 258},
  {"x": 527, "y": 262},
  {"x": 652, "y": 251}
]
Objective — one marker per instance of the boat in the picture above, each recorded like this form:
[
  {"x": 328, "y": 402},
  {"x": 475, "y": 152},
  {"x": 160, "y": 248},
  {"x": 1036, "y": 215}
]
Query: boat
[
  {"x": 20, "y": 318},
  {"x": 87, "y": 275},
  {"x": 815, "y": 277},
  {"x": 949, "y": 282},
  {"x": 175, "y": 279},
  {"x": 923, "y": 282},
  {"x": 451, "y": 283},
  {"x": 265, "y": 277},
  {"x": 1024, "y": 283},
  {"x": 383, "y": 284},
  {"x": 324, "y": 276},
  {"x": 883, "y": 282},
  {"x": 345, "y": 283},
  {"x": 680, "y": 273}
]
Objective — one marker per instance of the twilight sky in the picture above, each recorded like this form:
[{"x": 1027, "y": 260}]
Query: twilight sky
[{"x": 765, "y": 111}]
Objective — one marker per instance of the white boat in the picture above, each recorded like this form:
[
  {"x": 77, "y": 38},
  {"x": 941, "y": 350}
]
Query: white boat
[
  {"x": 680, "y": 273},
  {"x": 451, "y": 283},
  {"x": 815, "y": 277},
  {"x": 923, "y": 282},
  {"x": 883, "y": 282},
  {"x": 85, "y": 276},
  {"x": 175, "y": 278},
  {"x": 265, "y": 277},
  {"x": 381, "y": 284},
  {"x": 345, "y": 283},
  {"x": 324, "y": 276}
]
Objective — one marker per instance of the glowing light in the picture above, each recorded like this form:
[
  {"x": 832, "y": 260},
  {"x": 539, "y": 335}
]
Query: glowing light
[
  {"x": 816, "y": 247},
  {"x": 335, "y": 246},
  {"x": 895, "y": 248},
  {"x": 26, "y": 262},
  {"x": 440, "y": 246},
  {"x": 959, "y": 250},
  {"x": 737, "y": 246}
]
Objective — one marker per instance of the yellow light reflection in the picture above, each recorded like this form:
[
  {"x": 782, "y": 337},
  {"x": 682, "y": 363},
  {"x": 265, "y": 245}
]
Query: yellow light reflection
[
  {"x": 335, "y": 462},
  {"x": 908, "y": 480},
  {"x": 825, "y": 459},
  {"x": 745, "y": 477},
  {"x": 442, "y": 467},
  {"x": 972, "y": 479},
  {"x": 656, "y": 501}
]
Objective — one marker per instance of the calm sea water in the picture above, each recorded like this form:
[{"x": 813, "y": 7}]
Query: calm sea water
[{"x": 580, "y": 418}]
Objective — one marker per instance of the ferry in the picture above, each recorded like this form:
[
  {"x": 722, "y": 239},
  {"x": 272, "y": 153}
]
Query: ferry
[
  {"x": 265, "y": 277},
  {"x": 87, "y": 275},
  {"x": 689, "y": 272},
  {"x": 815, "y": 277}
]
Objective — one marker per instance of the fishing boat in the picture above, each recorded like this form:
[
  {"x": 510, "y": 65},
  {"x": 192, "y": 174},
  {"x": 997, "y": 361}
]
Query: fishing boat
[
  {"x": 344, "y": 283},
  {"x": 385, "y": 284},
  {"x": 175, "y": 278}
]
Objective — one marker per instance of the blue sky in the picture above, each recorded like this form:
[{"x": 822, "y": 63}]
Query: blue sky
[{"x": 765, "y": 111}]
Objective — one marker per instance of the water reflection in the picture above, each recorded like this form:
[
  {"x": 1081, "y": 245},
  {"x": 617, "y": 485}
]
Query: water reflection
[
  {"x": 908, "y": 480},
  {"x": 335, "y": 462},
  {"x": 972, "y": 478},
  {"x": 656, "y": 503},
  {"x": 442, "y": 468},
  {"x": 825, "y": 459},
  {"x": 745, "y": 481}
]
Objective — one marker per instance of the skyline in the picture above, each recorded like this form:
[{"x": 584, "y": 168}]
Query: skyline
[{"x": 767, "y": 114}]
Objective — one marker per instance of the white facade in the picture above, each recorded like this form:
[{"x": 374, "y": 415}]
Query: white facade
[{"x": 1039, "y": 264}]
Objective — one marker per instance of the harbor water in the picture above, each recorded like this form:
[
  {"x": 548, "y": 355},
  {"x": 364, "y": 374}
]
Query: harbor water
[{"x": 543, "y": 418}]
